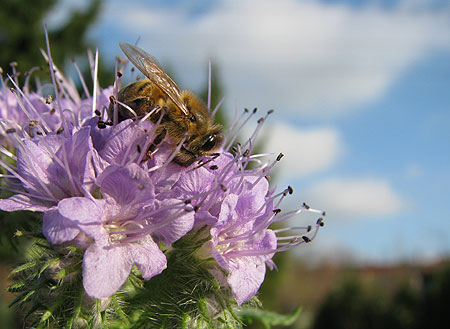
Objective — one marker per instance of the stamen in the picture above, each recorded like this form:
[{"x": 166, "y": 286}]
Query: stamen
[
  {"x": 129, "y": 149},
  {"x": 127, "y": 107},
  {"x": 210, "y": 195},
  {"x": 239, "y": 129},
  {"x": 271, "y": 199},
  {"x": 80, "y": 76},
  {"x": 15, "y": 74},
  {"x": 7, "y": 153},
  {"x": 232, "y": 127},
  {"x": 95, "y": 80},
  {"x": 148, "y": 229},
  {"x": 24, "y": 181},
  {"x": 172, "y": 155},
  {"x": 5, "y": 124},
  {"x": 285, "y": 229},
  {"x": 217, "y": 107},
  {"x": 52, "y": 73},
  {"x": 305, "y": 238},
  {"x": 249, "y": 252},
  {"x": 26, "y": 85},
  {"x": 73, "y": 115},
  {"x": 28, "y": 194},
  {"x": 153, "y": 111},
  {"x": 258, "y": 127},
  {"x": 236, "y": 238},
  {"x": 266, "y": 168},
  {"x": 288, "y": 214},
  {"x": 22, "y": 106},
  {"x": 7, "y": 176},
  {"x": 117, "y": 83}
]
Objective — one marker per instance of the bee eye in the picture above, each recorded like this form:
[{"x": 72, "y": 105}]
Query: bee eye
[
  {"x": 192, "y": 118},
  {"x": 210, "y": 143}
]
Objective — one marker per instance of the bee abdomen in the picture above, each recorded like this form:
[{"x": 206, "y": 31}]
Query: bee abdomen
[
  {"x": 140, "y": 105},
  {"x": 144, "y": 85}
]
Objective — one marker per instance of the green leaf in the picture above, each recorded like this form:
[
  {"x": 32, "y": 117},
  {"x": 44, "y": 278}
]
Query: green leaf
[
  {"x": 24, "y": 267},
  {"x": 118, "y": 309},
  {"x": 268, "y": 319},
  {"x": 50, "y": 262}
]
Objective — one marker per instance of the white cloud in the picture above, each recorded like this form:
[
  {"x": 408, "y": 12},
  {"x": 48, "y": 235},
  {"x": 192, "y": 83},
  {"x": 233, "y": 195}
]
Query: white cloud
[
  {"x": 307, "y": 57},
  {"x": 305, "y": 151},
  {"x": 62, "y": 11},
  {"x": 355, "y": 198}
]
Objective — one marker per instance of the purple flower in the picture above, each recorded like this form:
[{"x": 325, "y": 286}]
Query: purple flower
[
  {"x": 51, "y": 168},
  {"x": 100, "y": 190},
  {"x": 122, "y": 227},
  {"x": 238, "y": 207},
  {"x": 55, "y": 154},
  {"x": 108, "y": 259}
]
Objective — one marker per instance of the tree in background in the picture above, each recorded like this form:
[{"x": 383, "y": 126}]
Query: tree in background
[
  {"x": 22, "y": 34},
  {"x": 355, "y": 304},
  {"x": 433, "y": 310}
]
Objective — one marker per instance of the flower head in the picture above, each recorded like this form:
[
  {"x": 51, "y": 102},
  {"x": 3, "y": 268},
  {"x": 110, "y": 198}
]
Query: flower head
[
  {"x": 100, "y": 189},
  {"x": 238, "y": 206}
]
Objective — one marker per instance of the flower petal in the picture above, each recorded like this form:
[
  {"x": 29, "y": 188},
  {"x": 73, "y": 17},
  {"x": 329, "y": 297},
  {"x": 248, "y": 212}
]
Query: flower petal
[
  {"x": 227, "y": 211},
  {"x": 105, "y": 269},
  {"x": 22, "y": 202},
  {"x": 125, "y": 136},
  {"x": 33, "y": 161},
  {"x": 176, "y": 228},
  {"x": 43, "y": 176},
  {"x": 85, "y": 214},
  {"x": 76, "y": 153},
  {"x": 245, "y": 280},
  {"x": 57, "y": 228},
  {"x": 197, "y": 181},
  {"x": 126, "y": 185},
  {"x": 147, "y": 256}
]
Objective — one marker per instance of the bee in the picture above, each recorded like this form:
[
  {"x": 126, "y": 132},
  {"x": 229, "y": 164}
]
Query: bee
[{"x": 184, "y": 115}]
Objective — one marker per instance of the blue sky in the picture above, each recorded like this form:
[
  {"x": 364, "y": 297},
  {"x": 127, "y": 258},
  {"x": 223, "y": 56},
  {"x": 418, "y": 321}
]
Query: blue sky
[{"x": 362, "y": 97}]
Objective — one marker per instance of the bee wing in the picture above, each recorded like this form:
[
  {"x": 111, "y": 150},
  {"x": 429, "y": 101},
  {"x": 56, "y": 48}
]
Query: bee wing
[{"x": 151, "y": 68}]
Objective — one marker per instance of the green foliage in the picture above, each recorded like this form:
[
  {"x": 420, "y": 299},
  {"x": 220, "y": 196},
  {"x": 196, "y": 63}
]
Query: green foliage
[
  {"x": 50, "y": 294},
  {"x": 185, "y": 295},
  {"x": 46, "y": 289},
  {"x": 350, "y": 306},
  {"x": 14, "y": 225},
  {"x": 22, "y": 35},
  {"x": 434, "y": 304},
  {"x": 354, "y": 305},
  {"x": 266, "y": 318}
]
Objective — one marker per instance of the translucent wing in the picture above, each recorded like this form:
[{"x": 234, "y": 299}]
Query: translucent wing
[{"x": 151, "y": 68}]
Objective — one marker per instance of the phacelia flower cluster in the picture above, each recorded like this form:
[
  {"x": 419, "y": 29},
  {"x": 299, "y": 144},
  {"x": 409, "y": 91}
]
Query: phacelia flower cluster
[{"x": 99, "y": 190}]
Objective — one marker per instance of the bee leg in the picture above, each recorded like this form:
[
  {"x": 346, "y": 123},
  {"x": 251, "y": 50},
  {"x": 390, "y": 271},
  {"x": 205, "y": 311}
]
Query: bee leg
[
  {"x": 158, "y": 139},
  {"x": 185, "y": 157}
]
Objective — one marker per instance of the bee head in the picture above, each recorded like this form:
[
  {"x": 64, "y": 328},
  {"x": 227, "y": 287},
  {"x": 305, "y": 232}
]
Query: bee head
[{"x": 211, "y": 141}]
